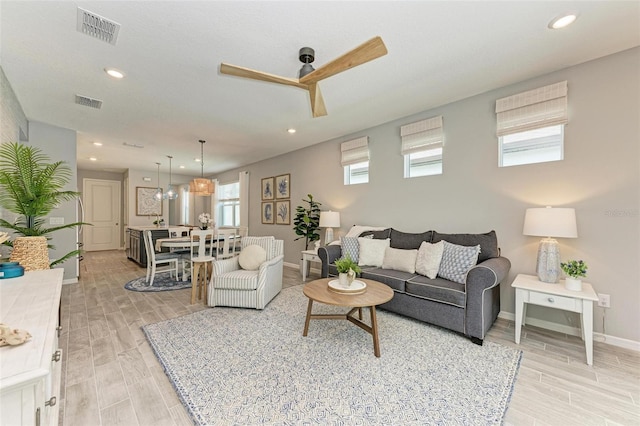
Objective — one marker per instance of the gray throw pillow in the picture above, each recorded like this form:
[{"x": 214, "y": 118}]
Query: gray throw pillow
[
  {"x": 457, "y": 261},
  {"x": 351, "y": 247}
]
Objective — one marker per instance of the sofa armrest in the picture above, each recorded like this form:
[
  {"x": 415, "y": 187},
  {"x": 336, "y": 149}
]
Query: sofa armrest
[
  {"x": 328, "y": 255},
  {"x": 483, "y": 294}
]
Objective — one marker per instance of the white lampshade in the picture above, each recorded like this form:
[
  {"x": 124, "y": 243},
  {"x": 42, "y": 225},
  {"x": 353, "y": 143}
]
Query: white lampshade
[
  {"x": 550, "y": 222},
  {"x": 329, "y": 219}
]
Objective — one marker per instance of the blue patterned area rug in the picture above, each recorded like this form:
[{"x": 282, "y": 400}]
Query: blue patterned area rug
[
  {"x": 243, "y": 366},
  {"x": 162, "y": 282}
]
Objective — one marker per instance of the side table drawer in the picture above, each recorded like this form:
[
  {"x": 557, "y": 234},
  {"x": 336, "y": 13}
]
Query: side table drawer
[{"x": 553, "y": 301}]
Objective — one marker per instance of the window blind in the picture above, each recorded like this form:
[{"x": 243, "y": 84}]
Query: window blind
[
  {"x": 355, "y": 151},
  {"x": 542, "y": 107},
  {"x": 422, "y": 135}
]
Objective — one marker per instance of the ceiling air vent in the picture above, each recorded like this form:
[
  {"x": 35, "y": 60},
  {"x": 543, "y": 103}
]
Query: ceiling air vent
[
  {"x": 98, "y": 27},
  {"x": 89, "y": 102}
]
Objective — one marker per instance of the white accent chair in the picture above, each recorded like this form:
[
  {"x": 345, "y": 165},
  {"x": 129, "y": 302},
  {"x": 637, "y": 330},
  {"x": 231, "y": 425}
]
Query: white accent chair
[
  {"x": 154, "y": 259},
  {"x": 232, "y": 286},
  {"x": 202, "y": 258}
]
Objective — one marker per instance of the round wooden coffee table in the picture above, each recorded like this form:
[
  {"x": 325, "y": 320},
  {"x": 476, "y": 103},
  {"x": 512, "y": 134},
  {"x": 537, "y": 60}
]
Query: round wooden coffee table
[{"x": 375, "y": 294}]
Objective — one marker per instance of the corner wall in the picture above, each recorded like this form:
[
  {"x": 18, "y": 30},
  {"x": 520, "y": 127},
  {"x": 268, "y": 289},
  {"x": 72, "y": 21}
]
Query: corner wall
[{"x": 599, "y": 177}]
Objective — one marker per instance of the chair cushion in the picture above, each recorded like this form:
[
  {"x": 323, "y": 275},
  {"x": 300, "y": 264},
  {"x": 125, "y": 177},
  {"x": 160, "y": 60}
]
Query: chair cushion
[
  {"x": 251, "y": 257},
  {"x": 237, "y": 280}
]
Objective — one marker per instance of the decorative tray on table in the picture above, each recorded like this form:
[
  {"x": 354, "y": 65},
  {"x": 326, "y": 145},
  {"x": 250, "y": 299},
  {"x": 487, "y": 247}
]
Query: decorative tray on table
[{"x": 356, "y": 287}]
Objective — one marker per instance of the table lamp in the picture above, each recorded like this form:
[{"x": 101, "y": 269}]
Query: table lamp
[
  {"x": 549, "y": 222},
  {"x": 329, "y": 220}
]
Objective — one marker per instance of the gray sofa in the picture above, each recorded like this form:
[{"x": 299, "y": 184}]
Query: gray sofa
[{"x": 469, "y": 308}]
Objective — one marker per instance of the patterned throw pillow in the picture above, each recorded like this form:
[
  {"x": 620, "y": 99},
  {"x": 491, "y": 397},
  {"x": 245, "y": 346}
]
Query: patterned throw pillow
[
  {"x": 457, "y": 261},
  {"x": 429, "y": 258},
  {"x": 351, "y": 247}
]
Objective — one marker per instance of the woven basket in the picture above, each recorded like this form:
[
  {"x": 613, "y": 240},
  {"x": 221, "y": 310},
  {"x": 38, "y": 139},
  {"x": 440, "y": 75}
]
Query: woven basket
[{"x": 31, "y": 252}]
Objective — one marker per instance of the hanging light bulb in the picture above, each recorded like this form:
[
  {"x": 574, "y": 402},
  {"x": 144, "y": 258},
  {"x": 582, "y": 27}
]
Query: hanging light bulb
[
  {"x": 158, "y": 194},
  {"x": 201, "y": 186},
  {"x": 171, "y": 193}
]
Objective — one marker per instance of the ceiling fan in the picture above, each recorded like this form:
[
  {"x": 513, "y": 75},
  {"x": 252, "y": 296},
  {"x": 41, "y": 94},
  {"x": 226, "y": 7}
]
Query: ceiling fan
[{"x": 308, "y": 76}]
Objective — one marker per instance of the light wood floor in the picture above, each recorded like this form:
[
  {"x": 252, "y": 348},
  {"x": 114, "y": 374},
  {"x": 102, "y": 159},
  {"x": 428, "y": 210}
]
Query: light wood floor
[{"x": 111, "y": 376}]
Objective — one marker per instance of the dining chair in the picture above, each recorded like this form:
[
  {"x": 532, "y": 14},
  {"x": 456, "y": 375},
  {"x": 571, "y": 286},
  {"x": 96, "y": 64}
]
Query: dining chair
[
  {"x": 226, "y": 241},
  {"x": 243, "y": 232},
  {"x": 154, "y": 259},
  {"x": 202, "y": 258}
]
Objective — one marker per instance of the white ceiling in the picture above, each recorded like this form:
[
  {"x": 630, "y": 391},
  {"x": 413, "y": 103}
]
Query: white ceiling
[{"x": 173, "y": 93}]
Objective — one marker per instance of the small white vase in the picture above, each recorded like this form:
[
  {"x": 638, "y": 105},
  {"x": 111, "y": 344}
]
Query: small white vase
[
  {"x": 343, "y": 279},
  {"x": 573, "y": 284}
]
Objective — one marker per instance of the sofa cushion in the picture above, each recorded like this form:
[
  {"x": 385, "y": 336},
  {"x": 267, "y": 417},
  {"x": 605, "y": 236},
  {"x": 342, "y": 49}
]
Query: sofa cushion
[
  {"x": 429, "y": 258},
  {"x": 488, "y": 242},
  {"x": 372, "y": 251},
  {"x": 351, "y": 247},
  {"x": 400, "y": 260},
  {"x": 457, "y": 261},
  {"x": 439, "y": 290},
  {"x": 394, "y": 279},
  {"x": 378, "y": 235},
  {"x": 408, "y": 241}
]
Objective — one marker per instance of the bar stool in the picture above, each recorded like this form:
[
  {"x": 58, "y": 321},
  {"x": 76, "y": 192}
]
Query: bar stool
[{"x": 201, "y": 262}]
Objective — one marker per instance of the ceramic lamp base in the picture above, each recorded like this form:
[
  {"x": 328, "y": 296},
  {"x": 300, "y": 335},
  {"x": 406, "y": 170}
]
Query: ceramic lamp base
[
  {"x": 548, "y": 265},
  {"x": 328, "y": 236}
]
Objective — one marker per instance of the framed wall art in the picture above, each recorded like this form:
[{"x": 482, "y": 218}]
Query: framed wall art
[
  {"x": 146, "y": 202},
  {"x": 283, "y": 212},
  {"x": 283, "y": 186},
  {"x": 267, "y": 188},
  {"x": 267, "y": 213}
]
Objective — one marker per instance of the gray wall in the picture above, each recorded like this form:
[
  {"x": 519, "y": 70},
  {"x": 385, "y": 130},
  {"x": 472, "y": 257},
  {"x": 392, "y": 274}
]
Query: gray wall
[
  {"x": 13, "y": 123},
  {"x": 599, "y": 177}
]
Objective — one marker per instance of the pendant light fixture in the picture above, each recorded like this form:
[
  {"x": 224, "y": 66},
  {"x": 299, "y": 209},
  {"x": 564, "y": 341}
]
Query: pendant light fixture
[
  {"x": 171, "y": 193},
  {"x": 201, "y": 186},
  {"x": 158, "y": 194}
]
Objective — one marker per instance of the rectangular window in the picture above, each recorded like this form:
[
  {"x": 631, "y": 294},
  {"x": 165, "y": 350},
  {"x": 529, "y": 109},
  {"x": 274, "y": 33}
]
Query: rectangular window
[
  {"x": 356, "y": 173},
  {"x": 422, "y": 146},
  {"x": 530, "y": 125},
  {"x": 423, "y": 163},
  {"x": 229, "y": 204},
  {"x": 532, "y": 146},
  {"x": 355, "y": 160}
]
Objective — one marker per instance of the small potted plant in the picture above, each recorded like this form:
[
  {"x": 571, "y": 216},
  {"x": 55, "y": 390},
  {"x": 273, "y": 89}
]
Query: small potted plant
[
  {"x": 347, "y": 270},
  {"x": 574, "y": 269}
]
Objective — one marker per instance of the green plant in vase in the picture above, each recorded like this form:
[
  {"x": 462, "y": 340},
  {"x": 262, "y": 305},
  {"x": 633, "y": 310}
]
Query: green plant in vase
[
  {"x": 347, "y": 270},
  {"x": 574, "y": 269},
  {"x": 307, "y": 221}
]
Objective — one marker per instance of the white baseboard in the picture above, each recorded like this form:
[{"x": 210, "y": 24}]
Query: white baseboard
[
  {"x": 574, "y": 331},
  {"x": 70, "y": 281},
  {"x": 297, "y": 266}
]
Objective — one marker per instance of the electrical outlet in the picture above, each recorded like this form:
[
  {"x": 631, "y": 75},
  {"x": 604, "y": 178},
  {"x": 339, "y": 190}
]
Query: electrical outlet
[{"x": 604, "y": 300}]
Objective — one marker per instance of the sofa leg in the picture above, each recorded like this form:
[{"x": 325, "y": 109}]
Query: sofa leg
[{"x": 476, "y": 340}]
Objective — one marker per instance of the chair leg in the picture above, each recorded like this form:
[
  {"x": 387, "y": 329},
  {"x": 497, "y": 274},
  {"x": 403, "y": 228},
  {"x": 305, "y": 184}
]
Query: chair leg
[{"x": 153, "y": 274}]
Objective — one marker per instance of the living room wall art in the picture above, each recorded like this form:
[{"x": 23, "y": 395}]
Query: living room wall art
[
  {"x": 267, "y": 213},
  {"x": 283, "y": 186},
  {"x": 283, "y": 212},
  {"x": 267, "y": 188},
  {"x": 146, "y": 203}
]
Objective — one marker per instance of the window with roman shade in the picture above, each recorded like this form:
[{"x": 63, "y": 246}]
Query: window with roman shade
[
  {"x": 530, "y": 125},
  {"x": 355, "y": 160},
  {"x": 422, "y": 145}
]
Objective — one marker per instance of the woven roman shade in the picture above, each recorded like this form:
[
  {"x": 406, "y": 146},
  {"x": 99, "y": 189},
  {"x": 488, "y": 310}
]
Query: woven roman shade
[
  {"x": 542, "y": 107},
  {"x": 422, "y": 135},
  {"x": 355, "y": 151}
]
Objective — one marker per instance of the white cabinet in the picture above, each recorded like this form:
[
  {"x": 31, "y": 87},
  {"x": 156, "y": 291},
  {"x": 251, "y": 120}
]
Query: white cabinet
[{"x": 30, "y": 373}]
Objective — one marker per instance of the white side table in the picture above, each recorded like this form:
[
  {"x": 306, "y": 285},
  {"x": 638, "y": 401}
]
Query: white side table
[
  {"x": 308, "y": 256},
  {"x": 531, "y": 290}
]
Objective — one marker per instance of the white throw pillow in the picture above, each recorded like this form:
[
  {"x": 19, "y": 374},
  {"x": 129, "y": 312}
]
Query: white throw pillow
[
  {"x": 251, "y": 257},
  {"x": 356, "y": 230},
  {"x": 429, "y": 257},
  {"x": 372, "y": 251},
  {"x": 400, "y": 260}
]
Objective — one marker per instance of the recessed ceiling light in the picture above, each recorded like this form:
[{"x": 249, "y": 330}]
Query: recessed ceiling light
[
  {"x": 114, "y": 73},
  {"x": 197, "y": 160},
  {"x": 97, "y": 143},
  {"x": 93, "y": 159},
  {"x": 563, "y": 20},
  {"x": 292, "y": 131},
  {"x": 182, "y": 167}
]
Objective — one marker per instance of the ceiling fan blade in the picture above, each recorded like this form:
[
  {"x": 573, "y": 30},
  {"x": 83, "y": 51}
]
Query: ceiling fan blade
[
  {"x": 259, "y": 75},
  {"x": 317, "y": 103},
  {"x": 366, "y": 52}
]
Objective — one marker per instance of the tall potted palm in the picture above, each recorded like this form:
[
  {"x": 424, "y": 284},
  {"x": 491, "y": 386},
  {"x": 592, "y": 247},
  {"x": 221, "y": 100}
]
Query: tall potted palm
[
  {"x": 31, "y": 187},
  {"x": 307, "y": 221}
]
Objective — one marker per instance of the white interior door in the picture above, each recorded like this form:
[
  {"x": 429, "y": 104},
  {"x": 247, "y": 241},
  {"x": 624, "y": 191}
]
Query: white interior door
[{"x": 102, "y": 211}]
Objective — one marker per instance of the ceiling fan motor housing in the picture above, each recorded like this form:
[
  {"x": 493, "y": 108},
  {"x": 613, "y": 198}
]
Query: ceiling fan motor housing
[{"x": 307, "y": 55}]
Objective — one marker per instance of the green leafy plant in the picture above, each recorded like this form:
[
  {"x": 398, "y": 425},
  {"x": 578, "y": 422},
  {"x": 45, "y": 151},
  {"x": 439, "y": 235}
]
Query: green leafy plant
[
  {"x": 31, "y": 187},
  {"x": 574, "y": 268},
  {"x": 344, "y": 264},
  {"x": 307, "y": 221}
]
